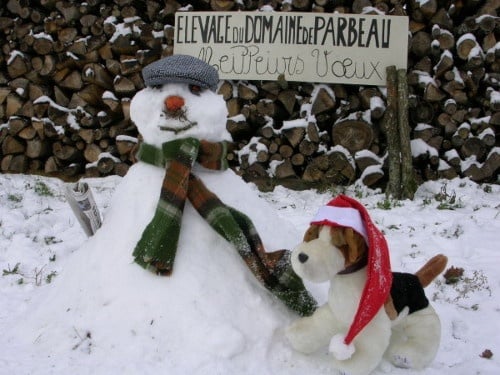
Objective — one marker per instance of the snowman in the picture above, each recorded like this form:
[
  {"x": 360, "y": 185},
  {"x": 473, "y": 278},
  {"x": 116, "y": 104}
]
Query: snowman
[
  {"x": 182, "y": 122},
  {"x": 179, "y": 212}
]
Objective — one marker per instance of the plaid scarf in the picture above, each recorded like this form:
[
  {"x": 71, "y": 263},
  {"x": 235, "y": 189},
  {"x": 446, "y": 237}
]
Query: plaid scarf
[{"x": 157, "y": 247}]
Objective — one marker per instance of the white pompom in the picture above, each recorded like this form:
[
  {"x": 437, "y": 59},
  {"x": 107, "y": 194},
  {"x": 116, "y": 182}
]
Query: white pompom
[{"x": 339, "y": 349}]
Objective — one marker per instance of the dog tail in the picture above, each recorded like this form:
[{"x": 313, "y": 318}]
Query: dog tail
[{"x": 431, "y": 269}]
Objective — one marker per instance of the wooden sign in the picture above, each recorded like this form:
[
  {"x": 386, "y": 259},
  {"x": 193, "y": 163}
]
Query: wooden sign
[{"x": 306, "y": 47}]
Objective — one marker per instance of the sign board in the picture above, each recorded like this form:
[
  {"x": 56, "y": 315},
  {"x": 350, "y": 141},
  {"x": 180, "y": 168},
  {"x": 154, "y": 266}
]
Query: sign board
[{"x": 306, "y": 47}]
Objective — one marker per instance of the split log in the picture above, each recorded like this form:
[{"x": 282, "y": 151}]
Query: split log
[
  {"x": 16, "y": 124},
  {"x": 294, "y": 135},
  {"x": 421, "y": 44},
  {"x": 27, "y": 133},
  {"x": 285, "y": 170},
  {"x": 11, "y": 145},
  {"x": 37, "y": 148},
  {"x": 473, "y": 147},
  {"x": 354, "y": 135},
  {"x": 64, "y": 152},
  {"x": 15, "y": 163},
  {"x": 372, "y": 175},
  {"x": 222, "y": 5},
  {"x": 323, "y": 102},
  {"x": 18, "y": 66},
  {"x": 341, "y": 168},
  {"x": 308, "y": 148},
  {"x": 92, "y": 152},
  {"x": 288, "y": 99}
]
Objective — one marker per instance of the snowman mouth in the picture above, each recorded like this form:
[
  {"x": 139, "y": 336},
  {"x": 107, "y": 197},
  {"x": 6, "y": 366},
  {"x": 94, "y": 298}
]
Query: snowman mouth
[
  {"x": 179, "y": 115},
  {"x": 178, "y": 129}
]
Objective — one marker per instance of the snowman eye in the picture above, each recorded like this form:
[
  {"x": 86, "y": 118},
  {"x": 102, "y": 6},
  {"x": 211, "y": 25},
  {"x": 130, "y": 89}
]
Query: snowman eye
[
  {"x": 156, "y": 87},
  {"x": 195, "y": 89}
]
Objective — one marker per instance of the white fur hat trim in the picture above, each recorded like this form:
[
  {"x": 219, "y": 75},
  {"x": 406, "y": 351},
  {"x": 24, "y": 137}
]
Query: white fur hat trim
[{"x": 342, "y": 216}]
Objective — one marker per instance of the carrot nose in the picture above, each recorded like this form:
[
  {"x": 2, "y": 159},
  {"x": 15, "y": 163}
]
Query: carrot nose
[{"x": 174, "y": 103}]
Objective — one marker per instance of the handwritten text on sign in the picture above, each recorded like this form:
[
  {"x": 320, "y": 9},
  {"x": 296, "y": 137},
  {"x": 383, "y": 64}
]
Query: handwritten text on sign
[{"x": 307, "y": 47}]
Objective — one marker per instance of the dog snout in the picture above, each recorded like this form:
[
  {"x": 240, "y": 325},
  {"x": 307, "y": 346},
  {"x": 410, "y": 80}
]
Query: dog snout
[{"x": 303, "y": 257}]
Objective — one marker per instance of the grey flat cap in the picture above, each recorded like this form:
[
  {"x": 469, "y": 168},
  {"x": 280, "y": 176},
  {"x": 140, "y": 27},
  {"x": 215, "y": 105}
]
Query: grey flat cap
[{"x": 181, "y": 69}]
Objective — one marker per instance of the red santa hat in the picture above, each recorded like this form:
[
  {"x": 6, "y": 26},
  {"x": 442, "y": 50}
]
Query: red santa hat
[{"x": 344, "y": 211}]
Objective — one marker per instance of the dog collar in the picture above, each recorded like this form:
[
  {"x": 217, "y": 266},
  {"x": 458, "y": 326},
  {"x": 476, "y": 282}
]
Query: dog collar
[{"x": 354, "y": 267}]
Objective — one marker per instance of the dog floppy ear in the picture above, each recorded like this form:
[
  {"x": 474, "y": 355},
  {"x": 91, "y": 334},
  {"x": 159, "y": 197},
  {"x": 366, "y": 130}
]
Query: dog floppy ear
[
  {"x": 311, "y": 233},
  {"x": 350, "y": 243},
  {"x": 356, "y": 244}
]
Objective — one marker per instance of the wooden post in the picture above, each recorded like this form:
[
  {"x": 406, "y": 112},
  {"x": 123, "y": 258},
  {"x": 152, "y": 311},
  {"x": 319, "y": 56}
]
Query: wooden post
[
  {"x": 390, "y": 126},
  {"x": 408, "y": 183}
]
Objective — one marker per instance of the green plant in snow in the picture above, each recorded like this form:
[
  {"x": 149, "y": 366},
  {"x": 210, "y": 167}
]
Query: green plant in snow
[
  {"x": 457, "y": 232},
  {"x": 50, "y": 240},
  {"x": 11, "y": 271},
  {"x": 16, "y": 198},
  {"x": 387, "y": 204},
  {"x": 426, "y": 202},
  {"x": 50, "y": 276},
  {"x": 463, "y": 287},
  {"x": 42, "y": 189},
  {"x": 448, "y": 201}
]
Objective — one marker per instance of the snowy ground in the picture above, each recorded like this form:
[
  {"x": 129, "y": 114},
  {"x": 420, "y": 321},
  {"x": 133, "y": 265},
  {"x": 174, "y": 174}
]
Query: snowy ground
[{"x": 41, "y": 260}]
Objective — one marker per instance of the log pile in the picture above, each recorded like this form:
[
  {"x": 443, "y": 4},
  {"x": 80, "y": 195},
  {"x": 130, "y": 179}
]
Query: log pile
[{"x": 68, "y": 71}]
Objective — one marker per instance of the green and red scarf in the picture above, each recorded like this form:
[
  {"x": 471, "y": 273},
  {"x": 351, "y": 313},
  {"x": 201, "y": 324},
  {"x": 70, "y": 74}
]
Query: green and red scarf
[{"x": 158, "y": 245}]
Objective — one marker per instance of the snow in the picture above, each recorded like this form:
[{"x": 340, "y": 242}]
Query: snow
[
  {"x": 297, "y": 123},
  {"x": 116, "y": 326},
  {"x": 13, "y": 56},
  {"x": 443, "y": 166},
  {"x": 126, "y": 138},
  {"x": 369, "y": 154},
  {"x": 424, "y": 78},
  {"x": 109, "y": 95},
  {"x": 376, "y": 102},
  {"x": 420, "y": 147},
  {"x": 466, "y": 36},
  {"x": 251, "y": 149},
  {"x": 42, "y": 35},
  {"x": 494, "y": 97},
  {"x": 422, "y": 126}
]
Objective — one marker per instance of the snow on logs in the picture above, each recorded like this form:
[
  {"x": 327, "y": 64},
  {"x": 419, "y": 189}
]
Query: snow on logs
[{"x": 68, "y": 71}]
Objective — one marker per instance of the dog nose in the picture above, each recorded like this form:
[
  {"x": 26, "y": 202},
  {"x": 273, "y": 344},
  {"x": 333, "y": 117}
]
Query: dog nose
[
  {"x": 174, "y": 103},
  {"x": 303, "y": 257}
]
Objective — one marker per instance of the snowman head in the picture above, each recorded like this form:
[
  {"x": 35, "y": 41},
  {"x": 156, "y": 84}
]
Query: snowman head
[{"x": 179, "y": 101}]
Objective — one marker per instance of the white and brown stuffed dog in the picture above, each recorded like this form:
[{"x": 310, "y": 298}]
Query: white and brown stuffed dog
[{"x": 371, "y": 312}]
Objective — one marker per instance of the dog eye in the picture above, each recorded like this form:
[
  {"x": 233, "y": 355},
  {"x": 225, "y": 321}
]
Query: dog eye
[{"x": 195, "y": 89}]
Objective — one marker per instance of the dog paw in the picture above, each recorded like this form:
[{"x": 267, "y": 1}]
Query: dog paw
[
  {"x": 401, "y": 361},
  {"x": 299, "y": 339}
]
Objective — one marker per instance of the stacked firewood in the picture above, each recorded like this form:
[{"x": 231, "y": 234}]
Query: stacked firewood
[{"x": 68, "y": 71}]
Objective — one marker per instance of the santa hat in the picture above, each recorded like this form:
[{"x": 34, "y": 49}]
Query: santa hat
[{"x": 344, "y": 211}]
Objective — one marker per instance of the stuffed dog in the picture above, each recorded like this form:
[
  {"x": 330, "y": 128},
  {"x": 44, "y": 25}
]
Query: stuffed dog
[{"x": 371, "y": 312}]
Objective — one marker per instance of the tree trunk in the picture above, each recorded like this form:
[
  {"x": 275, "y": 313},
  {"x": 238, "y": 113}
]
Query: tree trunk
[
  {"x": 390, "y": 126},
  {"x": 408, "y": 183}
]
